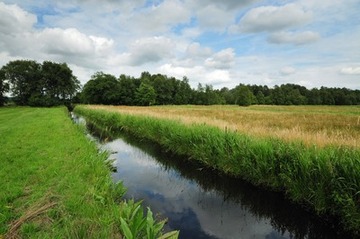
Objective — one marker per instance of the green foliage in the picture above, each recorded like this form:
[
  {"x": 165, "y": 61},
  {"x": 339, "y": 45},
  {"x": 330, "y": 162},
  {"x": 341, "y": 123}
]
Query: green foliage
[
  {"x": 164, "y": 89},
  {"x": 325, "y": 179},
  {"x": 37, "y": 84},
  {"x": 101, "y": 89},
  {"x": 134, "y": 224},
  {"x": 128, "y": 86},
  {"x": 51, "y": 83},
  {"x": 145, "y": 95},
  {"x": 245, "y": 96},
  {"x": 207, "y": 96},
  {"x": 57, "y": 184},
  {"x": 260, "y": 98},
  {"x": 58, "y": 80}
]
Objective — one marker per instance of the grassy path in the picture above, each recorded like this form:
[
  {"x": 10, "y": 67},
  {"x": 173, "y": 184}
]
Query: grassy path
[{"x": 54, "y": 184}]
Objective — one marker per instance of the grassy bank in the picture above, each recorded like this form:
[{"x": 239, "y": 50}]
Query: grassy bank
[
  {"x": 55, "y": 184},
  {"x": 326, "y": 178},
  {"x": 320, "y": 125}
]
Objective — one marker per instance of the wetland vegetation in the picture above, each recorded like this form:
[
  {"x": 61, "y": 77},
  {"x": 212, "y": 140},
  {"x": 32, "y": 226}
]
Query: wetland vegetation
[{"x": 322, "y": 176}]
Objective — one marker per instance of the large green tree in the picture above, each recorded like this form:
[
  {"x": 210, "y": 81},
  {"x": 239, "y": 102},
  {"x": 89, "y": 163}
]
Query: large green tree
[
  {"x": 24, "y": 77},
  {"x": 128, "y": 86},
  {"x": 145, "y": 95},
  {"x": 245, "y": 96},
  {"x": 59, "y": 82},
  {"x": 183, "y": 92},
  {"x": 164, "y": 88},
  {"x": 37, "y": 84},
  {"x": 102, "y": 89}
]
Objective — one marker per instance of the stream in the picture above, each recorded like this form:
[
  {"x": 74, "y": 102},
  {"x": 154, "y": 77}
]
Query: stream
[{"x": 203, "y": 203}]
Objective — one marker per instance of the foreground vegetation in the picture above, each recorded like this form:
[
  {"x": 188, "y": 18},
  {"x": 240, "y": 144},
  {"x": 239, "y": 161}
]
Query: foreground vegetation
[
  {"x": 55, "y": 184},
  {"x": 325, "y": 179}
]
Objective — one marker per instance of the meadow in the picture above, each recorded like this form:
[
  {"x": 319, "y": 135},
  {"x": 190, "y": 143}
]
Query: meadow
[
  {"x": 310, "y": 153},
  {"x": 55, "y": 183},
  {"x": 320, "y": 125}
]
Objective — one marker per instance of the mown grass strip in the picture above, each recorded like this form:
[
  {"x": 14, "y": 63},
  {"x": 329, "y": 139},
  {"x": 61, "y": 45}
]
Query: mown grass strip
[
  {"x": 325, "y": 179},
  {"x": 54, "y": 183}
]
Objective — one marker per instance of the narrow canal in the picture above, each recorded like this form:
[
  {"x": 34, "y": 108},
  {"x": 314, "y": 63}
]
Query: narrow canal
[{"x": 201, "y": 203}]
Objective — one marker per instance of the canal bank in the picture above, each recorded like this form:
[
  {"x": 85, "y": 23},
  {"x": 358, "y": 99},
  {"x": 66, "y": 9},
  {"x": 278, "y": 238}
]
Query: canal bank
[
  {"x": 276, "y": 217},
  {"x": 55, "y": 184}
]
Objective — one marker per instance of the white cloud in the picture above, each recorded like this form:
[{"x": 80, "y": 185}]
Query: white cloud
[
  {"x": 148, "y": 50},
  {"x": 20, "y": 39},
  {"x": 287, "y": 70},
  {"x": 160, "y": 18},
  {"x": 214, "y": 18},
  {"x": 191, "y": 32},
  {"x": 271, "y": 18},
  {"x": 216, "y": 15},
  {"x": 350, "y": 70},
  {"x": 195, "y": 50},
  {"x": 189, "y": 37},
  {"x": 224, "y": 59},
  {"x": 226, "y": 5},
  {"x": 72, "y": 42},
  {"x": 198, "y": 74},
  {"x": 14, "y": 20},
  {"x": 296, "y": 38}
]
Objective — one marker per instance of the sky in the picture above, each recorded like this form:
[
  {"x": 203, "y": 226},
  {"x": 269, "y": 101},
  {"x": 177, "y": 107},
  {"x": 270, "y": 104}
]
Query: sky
[{"x": 222, "y": 43}]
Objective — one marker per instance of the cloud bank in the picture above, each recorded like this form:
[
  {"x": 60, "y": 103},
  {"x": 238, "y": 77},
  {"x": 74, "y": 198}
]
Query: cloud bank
[{"x": 223, "y": 43}]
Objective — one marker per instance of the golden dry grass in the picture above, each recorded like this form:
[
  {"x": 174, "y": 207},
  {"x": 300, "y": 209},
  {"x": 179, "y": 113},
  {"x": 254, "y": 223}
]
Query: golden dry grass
[{"x": 319, "y": 125}]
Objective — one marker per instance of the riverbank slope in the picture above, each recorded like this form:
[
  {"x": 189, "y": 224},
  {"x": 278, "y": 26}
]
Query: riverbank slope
[
  {"x": 55, "y": 184},
  {"x": 325, "y": 179}
]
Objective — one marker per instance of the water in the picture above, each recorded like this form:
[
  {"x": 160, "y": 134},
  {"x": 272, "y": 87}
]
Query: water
[{"x": 202, "y": 203}]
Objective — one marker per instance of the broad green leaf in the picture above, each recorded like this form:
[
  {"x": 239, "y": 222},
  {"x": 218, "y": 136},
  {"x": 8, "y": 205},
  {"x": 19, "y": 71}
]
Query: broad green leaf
[
  {"x": 125, "y": 229},
  {"x": 170, "y": 235}
]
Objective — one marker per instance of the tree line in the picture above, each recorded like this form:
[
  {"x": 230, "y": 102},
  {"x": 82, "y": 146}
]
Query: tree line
[
  {"x": 158, "y": 89},
  {"x": 49, "y": 83},
  {"x": 35, "y": 84}
]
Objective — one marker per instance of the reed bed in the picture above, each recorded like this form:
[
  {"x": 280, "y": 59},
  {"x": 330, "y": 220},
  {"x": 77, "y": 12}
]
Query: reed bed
[
  {"x": 313, "y": 125},
  {"x": 325, "y": 179}
]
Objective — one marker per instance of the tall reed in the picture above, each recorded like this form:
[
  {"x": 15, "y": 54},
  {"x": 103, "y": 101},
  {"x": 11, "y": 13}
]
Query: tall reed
[{"x": 326, "y": 179}]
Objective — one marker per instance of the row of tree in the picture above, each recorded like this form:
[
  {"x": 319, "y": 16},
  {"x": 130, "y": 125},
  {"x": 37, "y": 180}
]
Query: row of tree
[
  {"x": 49, "y": 83},
  {"x": 147, "y": 90},
  {"x": 35, "y": 84},
  {"x": 161, "y": 90}
]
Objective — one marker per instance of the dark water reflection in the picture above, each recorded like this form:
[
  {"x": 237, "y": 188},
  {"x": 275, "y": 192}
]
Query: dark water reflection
[{"x": 202, "y": 203}]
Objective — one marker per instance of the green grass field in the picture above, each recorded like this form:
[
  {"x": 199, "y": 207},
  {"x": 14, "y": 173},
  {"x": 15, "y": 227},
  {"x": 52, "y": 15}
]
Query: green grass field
[
  {"x": 55, "y": 184},
  {"x": 326, "y": 179}
]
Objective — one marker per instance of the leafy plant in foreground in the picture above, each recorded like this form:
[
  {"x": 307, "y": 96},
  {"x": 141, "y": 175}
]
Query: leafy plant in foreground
[{"x": 133, "y": 224}]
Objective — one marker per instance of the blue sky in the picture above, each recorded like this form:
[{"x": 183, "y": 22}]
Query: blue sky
[{"x": 223, "y": 43}]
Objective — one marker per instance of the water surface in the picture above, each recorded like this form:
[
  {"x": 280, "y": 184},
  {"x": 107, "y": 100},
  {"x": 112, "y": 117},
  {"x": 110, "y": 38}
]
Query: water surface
[{"x": 202, "y": 203}]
